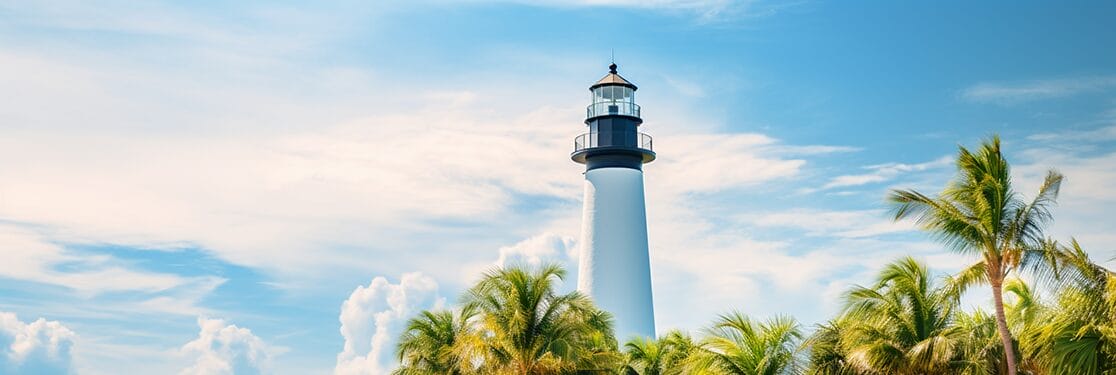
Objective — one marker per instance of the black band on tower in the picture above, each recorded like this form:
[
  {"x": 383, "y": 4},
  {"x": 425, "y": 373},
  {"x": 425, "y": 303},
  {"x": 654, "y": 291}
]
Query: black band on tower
[{"x": 614, "y": 160}]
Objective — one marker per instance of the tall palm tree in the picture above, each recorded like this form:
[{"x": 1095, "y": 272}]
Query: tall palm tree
[
  {"x": 902, "y": 323},
  {"x": 431, "y": 344},
  {"x": 979, "y": 213},
  {"x": 1078, "y": 335},
  {"x": 738, "y": 345},
  {"x": 528, "y": 328}
]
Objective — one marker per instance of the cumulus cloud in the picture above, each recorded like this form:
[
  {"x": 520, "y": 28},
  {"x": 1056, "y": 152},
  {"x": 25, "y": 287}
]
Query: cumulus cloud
[
  {"x": 373, "y": 317},
  {"x": 539, "y": 249},
  {"x": 225, "y": 349},
  {"x": 39, "y": 348}
]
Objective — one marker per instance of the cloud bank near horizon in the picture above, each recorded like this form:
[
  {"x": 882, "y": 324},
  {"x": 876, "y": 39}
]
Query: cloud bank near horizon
[
  {"x": 41, "y": 347},
  {"x": 225, "y": 349}
]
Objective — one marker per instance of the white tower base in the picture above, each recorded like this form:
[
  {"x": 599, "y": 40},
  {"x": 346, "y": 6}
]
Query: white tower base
[{"x": 615, "y": 268}]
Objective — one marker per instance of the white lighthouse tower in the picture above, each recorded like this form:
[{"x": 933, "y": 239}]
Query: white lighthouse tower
[{"x": 615, "y": 269}]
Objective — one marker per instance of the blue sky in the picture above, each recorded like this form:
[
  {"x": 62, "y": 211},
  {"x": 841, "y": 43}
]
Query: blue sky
[{"x": 274, "y": 187}]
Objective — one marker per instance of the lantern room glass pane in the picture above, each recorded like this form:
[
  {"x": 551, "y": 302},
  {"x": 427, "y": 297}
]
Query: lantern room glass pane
[{"x": 624, "y": 94}]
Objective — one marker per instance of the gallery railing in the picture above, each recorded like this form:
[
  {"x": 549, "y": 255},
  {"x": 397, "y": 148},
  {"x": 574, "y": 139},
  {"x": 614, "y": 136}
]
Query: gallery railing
[{"x": 592, "y": 140}]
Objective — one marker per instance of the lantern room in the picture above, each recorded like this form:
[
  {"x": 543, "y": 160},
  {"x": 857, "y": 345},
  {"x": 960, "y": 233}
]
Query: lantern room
[
  {"x": 613, "y": 118},
  {"x": 612, "y": 95}
]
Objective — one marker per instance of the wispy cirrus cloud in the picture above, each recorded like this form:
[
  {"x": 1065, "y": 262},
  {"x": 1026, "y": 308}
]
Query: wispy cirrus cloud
[
  {"x": 30, "y": 256},
  {"x": 1007, "y": 93},
  {"x": 882, "y": 173},
  {"x": 708, "y": 6},
  {"x": 842, "y": 224},
  {"x": 1107, "y": 133},
  {"x": 705, "y": 10}
]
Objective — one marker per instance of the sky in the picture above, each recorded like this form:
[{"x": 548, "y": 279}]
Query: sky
[{"x": 276, "y": 186}]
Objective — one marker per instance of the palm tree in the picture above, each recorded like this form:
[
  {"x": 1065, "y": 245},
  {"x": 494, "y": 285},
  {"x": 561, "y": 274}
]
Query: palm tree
[
  {"x": 828, "y": 348},
  {"x": 902, "y": 323},
  {"x": 738, "y": 345},
  {"x": 980, "y": 213},
  {"x": 528, "y": 328},
  {"x": 431, "y": 344},
  {"x": 666, "y": 355},
  {"x": 1078, "y": 335}
]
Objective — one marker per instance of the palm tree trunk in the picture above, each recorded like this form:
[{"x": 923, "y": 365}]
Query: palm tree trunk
[{"x": 1001, "y": 324}]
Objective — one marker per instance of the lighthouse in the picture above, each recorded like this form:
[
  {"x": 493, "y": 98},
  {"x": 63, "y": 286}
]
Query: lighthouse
[{"x": 615, "y": 268}]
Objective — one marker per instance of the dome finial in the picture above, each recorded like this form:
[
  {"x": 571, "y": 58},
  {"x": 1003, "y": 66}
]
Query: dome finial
[{"x": 612, "y": 68}]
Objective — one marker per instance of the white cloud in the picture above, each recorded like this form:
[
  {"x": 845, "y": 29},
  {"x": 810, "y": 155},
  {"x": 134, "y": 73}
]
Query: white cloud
[
  {"x": 1107, "y": 133},
  {"x": 714, "y": 270},
  {"x": 29, "y": 256},
  {"x": 251, "y": 198},
  {"x": 707, "y": 9},
  {"x": 39, "y": 348},
  {"x": 539, "y": 249},
  {"x": 711, "y": 266},
  {"x": 225, "y": 349},
  {"x": 373, "y": 317},
  {"x": 845, "y": 224},
  {"x": 705, "y": 163},
  {"x": 1086, "y": 200},
  {"x": 264, "y": 197},
  {"x": 883, "y": 172},
  {"x": 1034, "y": 90}
]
